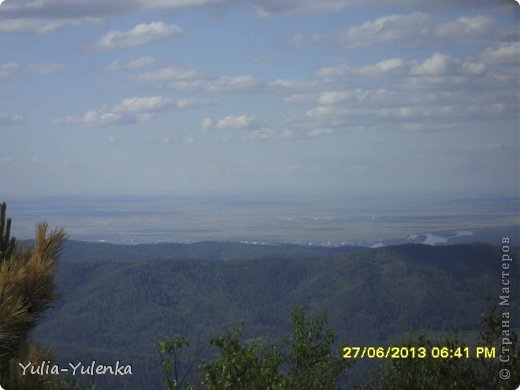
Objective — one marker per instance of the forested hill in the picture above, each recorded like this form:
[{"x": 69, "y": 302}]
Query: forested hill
[
  {"x": 209, "y": 250},
  {"x": 116, "y": 309}
]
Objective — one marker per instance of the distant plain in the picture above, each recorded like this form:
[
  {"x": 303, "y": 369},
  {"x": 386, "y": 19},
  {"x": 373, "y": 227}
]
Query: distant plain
[{"x": 302, "y": 219}]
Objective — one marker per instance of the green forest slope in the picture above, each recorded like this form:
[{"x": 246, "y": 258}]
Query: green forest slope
[{"x": 116, "y": 309}]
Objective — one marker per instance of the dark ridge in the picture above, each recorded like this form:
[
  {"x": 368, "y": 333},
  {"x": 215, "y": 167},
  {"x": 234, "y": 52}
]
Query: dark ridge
[{"x": 75, "y": 251}]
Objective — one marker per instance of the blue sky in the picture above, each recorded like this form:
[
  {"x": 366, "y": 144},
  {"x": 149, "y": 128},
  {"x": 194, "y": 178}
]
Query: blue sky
[{"x": 227, "y": 96}]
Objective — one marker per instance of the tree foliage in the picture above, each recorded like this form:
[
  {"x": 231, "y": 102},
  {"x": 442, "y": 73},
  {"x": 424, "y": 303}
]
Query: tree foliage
[
  {"x": 242, "y": 365},
  {"x": 169, "y": 350},
  {"x": 454, "y": 373},
  {"x": 6, "y": 242},
  {"x": 311, "y": 361},
  {"x": 27, "y": 289},
  {"x": 304, "y": 361}
]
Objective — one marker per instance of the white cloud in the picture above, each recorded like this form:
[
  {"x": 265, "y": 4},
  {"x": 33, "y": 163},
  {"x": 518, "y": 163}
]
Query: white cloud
[
  {"x": 45, "y": 16},
  {"x": 46, "y": 68},
  {"x": 390, "y": 66},
  {"x": 7, "y": 69},
  {"x": 291, "y": 168},
  {"x": 171, "y": 73},
  {"x": 166, "y": 140},
  {"x": 7, "y": 120},
  {"x": 300, "y": 40},
  {"x": 299, "y": 98},
  {"x": 140, "y": 62},
  {"x": 358, "y": 96},
  {"x": 270, "y": 7},
  {"x": 36, "y": 25},
  {"x": 188, "y": 140},
  {"x": 335, "y": 97},
  {"x": 137, "y": 63},
  {"x": 436, "y": 65},
  {"x": 405, "y": 114},
  {"x": 142, "y": 104},
  {"x": 505, "y": 53},
  {"x": 387, "y": 29},
  {"x": 399, "y": 107},
  {"x": 332, "y": 71},
  {"x": 229, "y": 122},
  {"x": 414, "y": 29},
  {"x": 130, "y": 110},
  {"x": 206, "y": 123},
  {"x": 186, "y": 103},
  {"x": 472, "y": 68},
  {"x": 139, "y": 35},
  {"x": 411, "y": 101},
  {"x": 269, "y": 134},
  {"x": 287, "y": 85},
  {"x": 177, "y": 4},
  {"x": 442, "y": 69},
  {"x": 231, "y": 84},
  {"x": 235, "y": 122},
  {"x": 321, "y": 112},
  {"x": 490, "y": 109},
  {"x": 187, "y": 79},
  {"x": 314, "y": 133},
  {"x": 113, "y": 66},
  {"x": 496, "y": 146},
  {"x": 467, "y": 28},
  {"x": 93, "y": 118}
]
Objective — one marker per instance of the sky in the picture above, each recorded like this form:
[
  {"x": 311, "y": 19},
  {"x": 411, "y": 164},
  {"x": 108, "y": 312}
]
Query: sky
[{"x": 259, "y": 96}]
